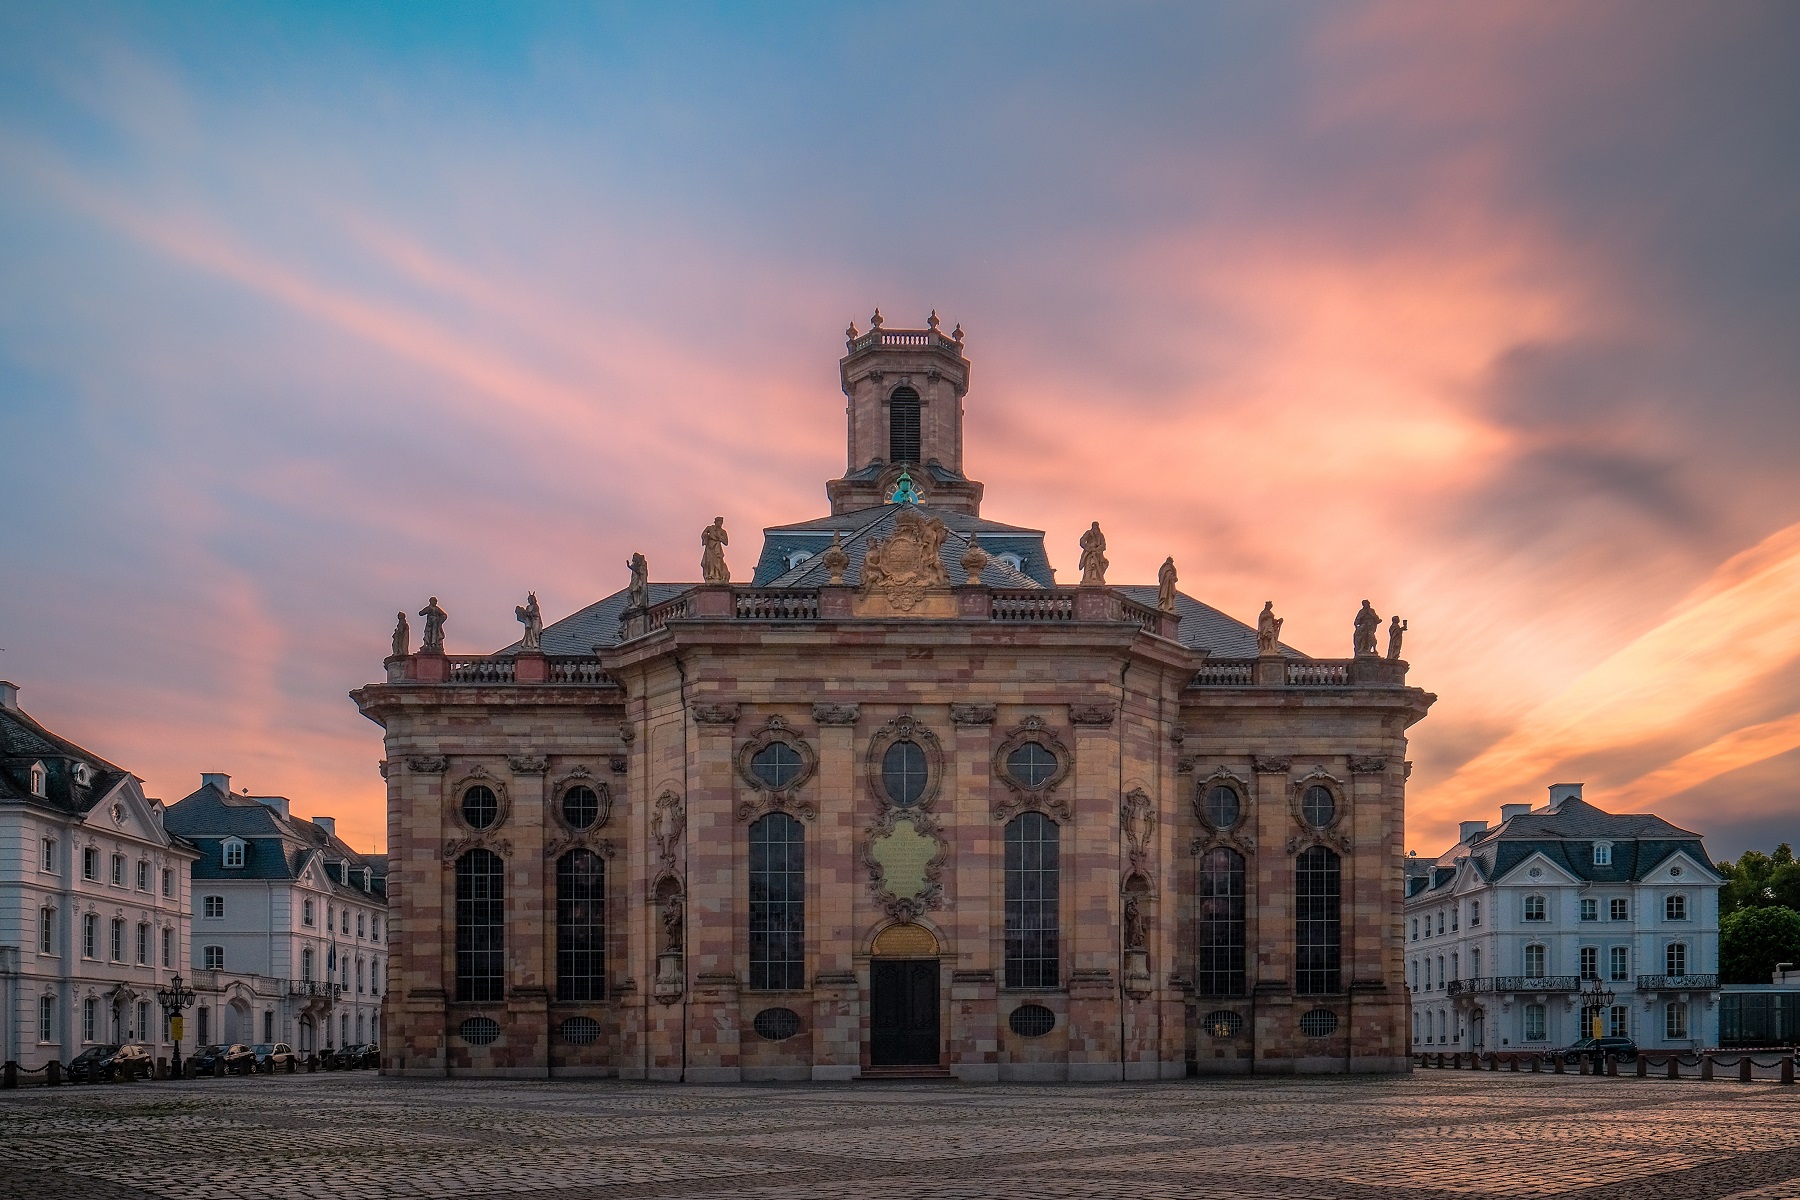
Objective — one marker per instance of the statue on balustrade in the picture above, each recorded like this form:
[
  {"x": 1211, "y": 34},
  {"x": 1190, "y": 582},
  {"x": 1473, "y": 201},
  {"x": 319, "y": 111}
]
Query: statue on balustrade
[
  {"x": 1395, "y": 628},
  {"x": 533, "y": 619},
  {"x": 1268, "y": 631},
  {"x": 639, "y": 595},
  {"x": 434, "y": 628},
  {"x": 713, "y": 540},
  {"x": 402, "y": 636},
  {"x": 1368, "y": 625},
  {"x": 1165, "y": 585},
  {"x": 1093, "y": 557}
]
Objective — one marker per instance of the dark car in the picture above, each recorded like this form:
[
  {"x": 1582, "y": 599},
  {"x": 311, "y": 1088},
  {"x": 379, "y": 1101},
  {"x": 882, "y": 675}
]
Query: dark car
[
  {"x": 1621, "y": 1048},
  {"x": 86, "y": 1065},
  {"x": 353, "y": 1057},
  {"x": 128, "y": 1062},
  {"x": 232, "y": 1059},
  {"x": 273, "y": 1056}
]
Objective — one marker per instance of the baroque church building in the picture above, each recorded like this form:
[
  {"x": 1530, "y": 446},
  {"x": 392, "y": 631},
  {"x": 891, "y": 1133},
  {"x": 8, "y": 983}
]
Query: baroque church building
[{"x": 900, "y": 805}]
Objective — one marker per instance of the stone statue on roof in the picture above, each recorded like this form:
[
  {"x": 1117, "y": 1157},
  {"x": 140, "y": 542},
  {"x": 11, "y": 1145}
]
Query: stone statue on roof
[
  {"x": 713, "y": 540},
  {"x": 1268, "y": 631},
  {"x": 434, "y": 628},
  {"x": 1368, "y": 624},
  {"x": 639, "y": 595},
  {"x": 533, "y": 619},
  {"x": 1093, "y": 557},
  {"x": 402, "y": 636},
  {"x": 1395, "y": 628},
  {"x": 1165, "y": 585}
]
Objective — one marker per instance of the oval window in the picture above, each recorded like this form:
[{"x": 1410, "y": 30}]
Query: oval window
[
  {"x": 581, "y": 807},
  {"x": 1223, "y": 1023},
  {"x": 1318, "y": 806},
  {"x": 1318, "y": 1023},
  {"x": 1031, "y": 1020},
  {"x": 777, "y": 765},
  {"x": 1031, "y": 766},
  {"x": 903, "y": 773},
  {"x": 777, "y": 1024},
  {"x": 1223, "y": 808},
  {"x": 580, "y": 1031},
  {"x": 480, "y": 808},
  {"x": 479, "y": 1031}
]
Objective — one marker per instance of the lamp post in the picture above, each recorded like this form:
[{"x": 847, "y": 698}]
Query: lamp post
[
  {"x": 1598, "y": 997},
  {"x": 173, "y": 999}
]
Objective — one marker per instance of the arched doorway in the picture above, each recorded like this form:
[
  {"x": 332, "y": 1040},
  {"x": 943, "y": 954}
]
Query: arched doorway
[
  {"x": 904, "y": 993},
  {"x": 1477, "y": 1029}
]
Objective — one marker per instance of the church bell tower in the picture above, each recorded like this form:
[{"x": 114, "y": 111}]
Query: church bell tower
[{"x": 905, "y": 391}]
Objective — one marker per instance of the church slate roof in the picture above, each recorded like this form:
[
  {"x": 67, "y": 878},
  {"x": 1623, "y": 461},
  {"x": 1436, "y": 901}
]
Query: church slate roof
[
  {"x": 23, "y": 742},
  {"x": 598, "y": 623},
  {"x": 779, "y": 541}
]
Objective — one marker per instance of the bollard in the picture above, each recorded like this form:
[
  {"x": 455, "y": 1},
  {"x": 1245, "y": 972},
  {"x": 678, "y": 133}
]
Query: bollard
[
  {"x": 312, "y": 1064},
  {"x": 1787, "y": 1070},
  {"x": 53, "y": 1074},
  {"x": 1612, "y": 1064},
  {"x": 1706, "y": 1067},
  {"x": 291, "y": 1064},
  {"x": 1513, "y": 1063},
  {"x": 1744, "y": 1068},
  {"x": 1493, "y": 1062},
  {"x": 1440, "y": 1061},
  {"x": 1456, "y": 1061},
  {"x": 1643, "y": 1066},
  {"x": 1674, "y": 1066},
  {"x": 1581, "y": 1063},
  {"x": 1557, "y": 1063}
]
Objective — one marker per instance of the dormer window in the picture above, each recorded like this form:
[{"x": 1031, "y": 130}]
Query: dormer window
[
  {"x": 1603, "y": 854},
  {"x": 233, "y": 852},
  {"x": 796, "y": 557},
  {"x": 344, "y": 872},
  {"x": 368, "y": 878},
  {"x": 84, "y": 774},
  {"x": 1012, "y": 560},
  {"x": 40, "y": 780}
]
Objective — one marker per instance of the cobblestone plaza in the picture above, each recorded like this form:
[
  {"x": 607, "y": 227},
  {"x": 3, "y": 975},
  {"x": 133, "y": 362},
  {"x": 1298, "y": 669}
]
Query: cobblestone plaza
[{"x": 1429, "y": 1134}]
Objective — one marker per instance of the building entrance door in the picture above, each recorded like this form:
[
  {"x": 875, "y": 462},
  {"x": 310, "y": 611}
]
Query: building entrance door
[
  {"x": 1477, "y": 1029},
  {"x": 903, "y": 1012}
]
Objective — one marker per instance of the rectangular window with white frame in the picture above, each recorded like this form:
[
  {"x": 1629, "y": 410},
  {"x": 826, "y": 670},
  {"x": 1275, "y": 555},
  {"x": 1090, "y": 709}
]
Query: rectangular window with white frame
[
  {"x": 118, "y": 870},
  {"x": 1621, "y": 963},
  {"x": 1590, "y": 909},
  {"x": 1590, "y": 962},
  {"x": 1675, "y": 958},
  {"x": 1535, "y": 1024},
  {"x": 46, "y": 930},
  {"x": 143, "y": 945},
  {"x": 50, "y": 863},
  {"x": 168, "y": 946},
  {"x": 118, "y": 940},
  {"x": 1675, "y": 907},
  {"x": 90, "y": 1019},
  {"x": 90, "y": 863},
  {"x": 168, "y": 880},
  {"x": 1621, "y": 909},
  {"x": 143, "y": 876},
  {"x": 1675, "y": 1020},
  {"x": 1619, "y": 1022},
  {"x": 1474, "y": 914},
  {"x": 46, "y": 1019},
  {"x": 90, "y": 936},
  {"x": 1537, "y": 908},
  {"x": 212, "y": 958},
  {"x": 1536, "y": 961},
  {"x": 213, "y": 906}
]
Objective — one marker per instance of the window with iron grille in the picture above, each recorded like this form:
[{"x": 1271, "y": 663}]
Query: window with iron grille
[
  {"x": 1318, "y": 932},
  {"x": 580, "y": 926},
  {"x": 480, "y": 926},
  {"x": 1219, "y": 965},
  {"x": 903, "y": 426},
  {"x": 1033, "y": 893},
  {"x": 777, "y": 903}
]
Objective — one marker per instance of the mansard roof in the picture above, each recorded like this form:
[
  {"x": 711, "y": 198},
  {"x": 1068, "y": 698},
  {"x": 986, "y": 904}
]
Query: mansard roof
[
  {"x": 860, "y": 527},
  {"x": 24, "y": 742},
  {"x": 598, "y": 623},
  {"x": 275, "y": 847}
]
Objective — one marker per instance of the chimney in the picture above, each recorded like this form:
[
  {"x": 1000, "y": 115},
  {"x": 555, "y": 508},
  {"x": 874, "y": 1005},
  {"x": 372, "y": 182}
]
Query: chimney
[
  {"x": 9, "y": 695},
  {"x": 1468, "y": 829},
  {"x": 278, "y": 803},
  {"x": 1509, "y": 811},
  {"x": 1563, "y": 791},
  {"x": 216, "y": 779},
  {"x": 328, "y": 824}
]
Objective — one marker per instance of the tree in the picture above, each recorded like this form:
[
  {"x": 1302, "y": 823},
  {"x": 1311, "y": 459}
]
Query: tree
[
  {"x": 1758, "y": 880},
  {"x": 1753, "y": 940}
]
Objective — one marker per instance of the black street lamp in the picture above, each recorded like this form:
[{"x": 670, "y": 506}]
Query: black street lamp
[
  {"x": 1598, "y": 997},
  {"x": 173, "y": 999}
]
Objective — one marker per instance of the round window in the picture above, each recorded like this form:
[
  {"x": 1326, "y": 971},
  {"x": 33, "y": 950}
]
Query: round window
[
  {"x": 1031, "y": 766},
  {"x": 480, "y": 808},
  {"x": 903, "y": 773},
  {"x": 1031, "y": 1020},
  {"x": 479, "y": 1031},
  {"x": 580, "y": 1031},
  {"x": 777, "y": 765},
  {"x": 1223, "y": 808},
  {"x": 1318, "y": 806},
  {"x": 777, "y": 1024},
  {"x": 1318, "y": 1022},
  {"x": 1223, "y": 1023},
  {"x": 581, "y": 808}
]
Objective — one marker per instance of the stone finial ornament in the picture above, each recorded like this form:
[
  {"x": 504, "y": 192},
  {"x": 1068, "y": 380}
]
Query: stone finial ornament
[
  {"x": 639, "y": 595},
  {"x": 1268, "y": 631},
  {"x": 850, "y": 332},
  {"x": 434, "y": 627},
  {"x": 529, "y": 615},
  {"x": 1368, "y": 624},
  {"x": 1093, "y": 557},
  {"x": 875, "y": 321},
  {"x": 931, "y": 322},
  {"x": 1165, "y": 585},
  {"x": 402, "y": 636},
  {"x": 975, "y": 559},
  {"x": 956, "y": 335},
  {"x": 836, "y": 559},
  {"x": 713, "y": 540},
  {"x": 1396, "y": 628}
]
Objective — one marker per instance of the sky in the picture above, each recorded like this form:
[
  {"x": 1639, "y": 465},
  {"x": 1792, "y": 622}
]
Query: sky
[{"x": 1482, "y": 312}]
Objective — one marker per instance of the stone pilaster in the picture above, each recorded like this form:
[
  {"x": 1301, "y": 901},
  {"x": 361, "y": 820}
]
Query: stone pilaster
[
  {"x": 1090, "y": 873},
  {"x": 975, "y": 922},
  {"x": 833, "y": 931},
  {"x": 716, "y": 846}
]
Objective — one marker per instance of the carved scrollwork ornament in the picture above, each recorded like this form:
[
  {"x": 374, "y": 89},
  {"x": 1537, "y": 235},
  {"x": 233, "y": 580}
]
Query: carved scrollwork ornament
[
  {"x": 1020, "y": 795},
  {"x": 904, "y": 729},
  {"x": 1137, "y": 822},
  {"x": 836, "y": 714},
  {"x": 668, "y": 824},
  {"x": 1271, "y": 765},
  {"x": 1184, "y": 765},
  {"x": 1329, "y": 833},
  {"x": 1092, "y": 714},
  {"x": 618, "y": 764},
  {"x": 1222, "y": 776},
  {"x": 528, "y": 764},
  {"x": 973, "y": 714},
  {"x": 455, "y": 848},
  {"x": 1372, "y": 764},
  {"x": 581, "y": 777},
  {"x": 906, "y": 906},
  {"x": 1212, "y": 839},
  {"x": 557, "y": 847},
  {"x": 715, "y": 714},
  {"x": 766, "y": 797},
  {"x": 432, "y": 765}
]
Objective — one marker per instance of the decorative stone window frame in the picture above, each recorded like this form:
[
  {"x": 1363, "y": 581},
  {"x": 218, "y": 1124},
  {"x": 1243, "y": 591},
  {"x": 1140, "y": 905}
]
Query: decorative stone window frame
[
  {"x": 905, "y": 728},
  {"x": 1222, "y": 776},
  {"x": 580, "y": 777},
  {"x": 1043, "y": 798},
  {"x": 907, "y": 908},
  {"x": 479, "y": 775},
  {"x": 763, "y": 798},
  {"x": 1331, "y": 834}
]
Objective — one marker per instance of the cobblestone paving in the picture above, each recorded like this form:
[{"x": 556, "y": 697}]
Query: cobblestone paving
[{"x": 1433, "y": 1134}]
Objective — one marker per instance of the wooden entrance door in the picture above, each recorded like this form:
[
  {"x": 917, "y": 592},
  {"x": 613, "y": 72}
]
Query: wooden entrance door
[{"x": 903, "y": 1012}]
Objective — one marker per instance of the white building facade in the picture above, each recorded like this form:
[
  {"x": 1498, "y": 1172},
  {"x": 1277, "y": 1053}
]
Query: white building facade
[
  {"x": 94, "y": 898},
  {"x": 1513, "y": 933},
  {"x": 289, "y": 926}
]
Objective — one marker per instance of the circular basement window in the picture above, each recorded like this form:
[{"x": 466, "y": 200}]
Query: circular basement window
[
  {"x": 777, "y": 1024},
  {"x": 1319, "y": 1022},
  {"x": 580, "y": 1031},
  {"x": 1031, "y": 1020},
  {"x": 480, "y": 807},
  {"x": 1224, "y": 1023},
  {"x": 479, "y": 1031}
]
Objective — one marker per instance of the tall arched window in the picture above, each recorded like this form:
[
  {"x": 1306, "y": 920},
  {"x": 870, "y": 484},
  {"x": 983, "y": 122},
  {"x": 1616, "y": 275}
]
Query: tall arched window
[
  {"x": 777, "y": 903},
  {"x": 1033, "y": 888},
  {"x": 903, "y": 426},
  {"x": 480, "y": 926},
  {"x": 580, "y": 926},
  {"x": 1219, "y": 969},
  {"x": 1318, "y": 925}
]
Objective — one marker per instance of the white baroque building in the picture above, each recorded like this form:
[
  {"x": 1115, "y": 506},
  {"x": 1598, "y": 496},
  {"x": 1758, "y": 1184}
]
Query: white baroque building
[
  {"x": 289, "y": 924},
  {"x": 93, "y": 898},
  {"x": 1510, "y": 930}
]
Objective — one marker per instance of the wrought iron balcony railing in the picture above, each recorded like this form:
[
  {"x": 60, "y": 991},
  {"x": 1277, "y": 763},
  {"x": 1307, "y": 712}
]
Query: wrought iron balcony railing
[{"x": 1677, "y": 983}]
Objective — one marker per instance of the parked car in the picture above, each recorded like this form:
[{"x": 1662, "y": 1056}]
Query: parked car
[
  {"x": 352, "y": 1057},
  {"x": 131, "y": 1062},
  {"x": 1622, "y": 1048},
  {"x": 221, "y": 1059},
  {"x": 273, "y": 1056},
  {"x": 86, "y": 1065}
]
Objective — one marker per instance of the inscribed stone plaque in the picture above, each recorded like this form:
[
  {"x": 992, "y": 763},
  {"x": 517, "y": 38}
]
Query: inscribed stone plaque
[{"x": 903, "y": 855}]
